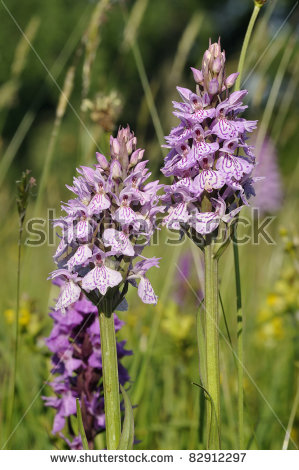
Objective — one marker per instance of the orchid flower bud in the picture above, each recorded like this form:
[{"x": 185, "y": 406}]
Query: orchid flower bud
[
  {"x": 102, "y": 160},
  {"x": 115, "y": 169},
  {"x": 197, "y": 75},
  {"x": 213, "y": 86},
  {"x": 136, "y": 157},
  {"x": 217, "y": 65},
  {"x": 231, "y": 79},
  {"x": 114, "y": 147}
]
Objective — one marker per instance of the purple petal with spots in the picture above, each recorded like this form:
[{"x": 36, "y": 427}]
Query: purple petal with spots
[
  {"x": 69, "y": 294},
  {"x": 224, "y": 128},
  {"x": 176, "y": 216},
  {"x": 146, "y": 291},
  {"x": 101, "y": 277},
  {"x": 204, "y": 222},
  {"x": 208, "y": 180},
  {"x": 203, "y": 148},
  {"x": 183, "y": 183},
  {"x": 83, "y": 230},
  {"x": 233, "y": 166},
  {"x": 119, "y": 241},
  {"x": 99, "y": 203},
  {"x": 82, "y": 254},
  {"x": 125, "y": 216}
]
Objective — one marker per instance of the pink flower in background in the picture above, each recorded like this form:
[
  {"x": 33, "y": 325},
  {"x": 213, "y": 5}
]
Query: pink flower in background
[{"x": 269, "y": 192}]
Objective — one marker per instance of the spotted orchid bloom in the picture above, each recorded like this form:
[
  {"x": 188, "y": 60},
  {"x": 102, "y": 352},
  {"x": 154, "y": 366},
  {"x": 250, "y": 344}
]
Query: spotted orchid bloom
[
  {"x": 70, "y": 291},
  {"x": 177, "y": 215},
  {"x": 115, "y": 205},
  {"x": 101, "y": 277},
  {"x": 208, "y": 156},
  {"x": 207, "y": 179},
  {"x": 81, "y": 256},
  {"x": 145, "y": 289},
  {"x": 207, "y": 222},
  {"x": 119, "y": 241}
]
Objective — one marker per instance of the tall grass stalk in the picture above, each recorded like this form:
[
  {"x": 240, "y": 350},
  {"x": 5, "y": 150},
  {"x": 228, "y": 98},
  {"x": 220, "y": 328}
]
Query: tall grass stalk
[
  {"x": 264, "y": 125},
  {"x": 146, "y": 86},
  {"x": 9, "y": 90},
  {"x": 92, "y": 39},
  {"x": 186, "y": 42},
  {"x": 212, "y": 346},
  {"x": 133, "y": 23},
  {"x": 240, "y": 347},
  {"x": 16, "y": 342},
  {"x": 286, "y": 101},
  {"x": 60, "y": 111},
  {"x": 23, "y": 190},
  {"x": 292, "y": 417},
  {"x": 15, "y": 144},
  {"x": 250, "y": 27}
]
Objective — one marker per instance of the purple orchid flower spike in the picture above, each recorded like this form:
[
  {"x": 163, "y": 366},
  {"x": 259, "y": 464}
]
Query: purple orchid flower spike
[
  {"x": 77, "y": 366},
  {"x": 115, "y": 204},
  {"x": 208, "y": 155}
]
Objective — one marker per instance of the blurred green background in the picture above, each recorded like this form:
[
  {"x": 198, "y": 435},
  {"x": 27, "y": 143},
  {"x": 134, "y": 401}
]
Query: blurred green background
[{"x": 118, "y": 63}]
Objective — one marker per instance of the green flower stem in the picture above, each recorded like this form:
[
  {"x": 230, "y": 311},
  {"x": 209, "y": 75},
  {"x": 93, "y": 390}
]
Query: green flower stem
[
  {"x": 252, "y": 21},
  {"x": 16, "y": 345},
  {"x": 212, "y": 346},
  {"x": 110, "y": 380},
  {"x": 240, "y": 348}
]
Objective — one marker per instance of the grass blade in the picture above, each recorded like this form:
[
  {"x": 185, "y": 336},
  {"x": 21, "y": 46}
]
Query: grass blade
[
  {"x": 80, "y": 426},
  {"x": 127, "y": 436}
]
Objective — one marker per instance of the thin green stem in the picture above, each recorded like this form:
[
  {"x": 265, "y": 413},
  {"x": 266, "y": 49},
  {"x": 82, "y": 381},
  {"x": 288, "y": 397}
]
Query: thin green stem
[
  {"x": 46, "y": 166},
  {"x": 81, "y": 426},
  {"x": 291, "y": 419},
  {"x": 212, "y": 346},
  {"x": 60, "y": 111},
  {"x": 17, "y": 334},
  {"x": 110, "y": 380},
  {"x": 251, "y": 24},
  {"x": 240, "y": 348}
]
